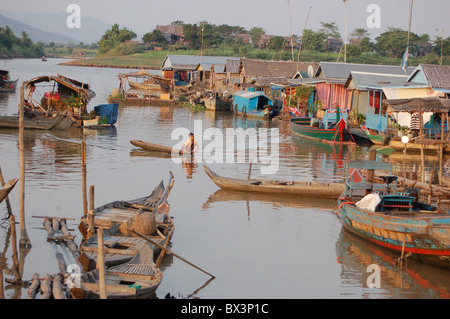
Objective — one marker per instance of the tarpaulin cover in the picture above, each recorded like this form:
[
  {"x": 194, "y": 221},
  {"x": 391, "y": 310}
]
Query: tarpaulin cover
[{"x": 111, "y": 111}]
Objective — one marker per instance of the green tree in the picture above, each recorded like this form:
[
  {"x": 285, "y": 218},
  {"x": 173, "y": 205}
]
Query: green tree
[
  {"x": 114, "y": 37},
  {"x": 255, "y": 35},
  {"x": 330, "y": 30},
  {"x": 313, "y": 40},
  {"x": 7, "y": 37},
  {"x": 443, "y": 44},
  {"x": 366, "y": 45},
  {"x": 393, "y": 42},
  {"x": 192, "y": 34},
  {"x": 276, "y": 43},
  {"x": 156, "y": 36},
  {"x": 26, "y": 41},
  {"x": 359, "y": 33}
]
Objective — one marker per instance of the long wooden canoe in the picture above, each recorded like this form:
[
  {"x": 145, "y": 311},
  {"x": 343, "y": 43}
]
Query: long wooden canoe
[
  {"x": 310, "y": 189},
  {"x": 59, "y": 122},
  {"x": 7, "y": 188},
  {"x": 155, "y": 147}
]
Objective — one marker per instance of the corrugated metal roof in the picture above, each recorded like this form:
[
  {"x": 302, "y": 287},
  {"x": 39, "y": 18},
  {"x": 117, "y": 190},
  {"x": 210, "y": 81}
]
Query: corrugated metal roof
[
  {"x": 190, "y": 62},
  {"x": 249, "y": 94},
  {"x": 338, "y": 70},
  {"x": 362, "y": 80},
  {"x": 263, "y": 68},
  {"x": 438, "y": 76},
  {"x": 232, "y": 66}
]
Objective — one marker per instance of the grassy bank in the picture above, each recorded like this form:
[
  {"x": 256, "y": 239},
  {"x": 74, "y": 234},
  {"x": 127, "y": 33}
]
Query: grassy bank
[{"x": 154, "y": 59}]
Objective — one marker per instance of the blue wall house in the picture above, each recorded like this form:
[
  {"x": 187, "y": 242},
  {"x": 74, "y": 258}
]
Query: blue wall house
[{"x": 252, "y": 104}]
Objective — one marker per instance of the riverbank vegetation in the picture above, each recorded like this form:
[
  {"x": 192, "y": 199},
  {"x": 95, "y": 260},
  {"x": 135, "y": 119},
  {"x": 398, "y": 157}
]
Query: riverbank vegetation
[
  {"x": 118, "y": 47},
  {"x": 12, "y": 46}
]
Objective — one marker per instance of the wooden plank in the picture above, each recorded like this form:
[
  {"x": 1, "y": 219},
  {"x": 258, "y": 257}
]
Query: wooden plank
[
  {"x": 109, "y": 250},
  {"x": 370, "y": 165},
  {"x": 110, "y": 288}
]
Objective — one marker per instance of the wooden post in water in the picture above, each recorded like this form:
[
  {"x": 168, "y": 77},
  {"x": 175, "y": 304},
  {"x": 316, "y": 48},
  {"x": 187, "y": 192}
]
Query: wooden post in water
[
  {"x": 101, "y": 263},
  {"x": 249, "y": 171},
  {"x": 24, "y": 239},
  {"x": 371, "y": 172},
  {"x": 2, "y": 294},
  {"x": 91, "y": 197},
  {"x": 83, "y": 176},
  {"x": 17, "y": 275}
]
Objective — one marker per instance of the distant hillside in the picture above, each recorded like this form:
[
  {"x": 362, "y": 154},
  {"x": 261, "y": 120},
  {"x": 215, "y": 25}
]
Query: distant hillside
[
  {"x": 91, "y": 29},
  {"x": 35, "y": 34}
]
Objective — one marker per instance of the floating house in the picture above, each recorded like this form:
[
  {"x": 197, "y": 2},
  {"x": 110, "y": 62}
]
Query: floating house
[
  {"x": 436, "y": 76},
  {"x": 186, "y": 69},
  {"x": 252, "y": 104},
  {"x": 383, "y": 121}
]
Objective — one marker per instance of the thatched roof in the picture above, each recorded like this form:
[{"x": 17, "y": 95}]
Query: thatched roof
[{"x": 428, "y": 104}]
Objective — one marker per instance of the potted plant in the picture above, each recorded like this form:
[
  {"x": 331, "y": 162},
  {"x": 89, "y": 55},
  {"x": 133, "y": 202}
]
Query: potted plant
[{"x": 74, "y": 102}]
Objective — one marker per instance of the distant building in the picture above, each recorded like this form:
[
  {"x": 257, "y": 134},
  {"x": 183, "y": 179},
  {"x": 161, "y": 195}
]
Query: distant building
[
  {"x": 246, "y": 39},
  {"x": 333, "y": 45},
  {"x": 423, "y": 48},
  {"x": 172, "y": 33},
  {"x": 265, "y": 38}
]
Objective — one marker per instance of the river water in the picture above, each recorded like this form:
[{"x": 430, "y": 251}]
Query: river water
[{"x": 257, "y": 246}]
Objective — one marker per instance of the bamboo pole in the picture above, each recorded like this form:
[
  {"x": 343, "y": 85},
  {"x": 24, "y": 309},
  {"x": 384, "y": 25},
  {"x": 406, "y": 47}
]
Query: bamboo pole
[
  {"x": 168, "y": 251},
  {"x": 24, "y": 239},
  {"x": 101, "y": 263},
  {"x": 83, "y": 176}
]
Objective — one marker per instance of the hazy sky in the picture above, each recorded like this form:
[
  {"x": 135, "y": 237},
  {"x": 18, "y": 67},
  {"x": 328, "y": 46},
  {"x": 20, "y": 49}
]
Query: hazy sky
[{"x": 142, "y": 16}]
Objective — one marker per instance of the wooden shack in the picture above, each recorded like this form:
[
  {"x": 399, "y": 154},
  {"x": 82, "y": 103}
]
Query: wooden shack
[{"x": 57, "y": 93}]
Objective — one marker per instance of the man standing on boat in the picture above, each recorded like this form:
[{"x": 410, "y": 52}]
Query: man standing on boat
[{"x": 191, "y": 145}]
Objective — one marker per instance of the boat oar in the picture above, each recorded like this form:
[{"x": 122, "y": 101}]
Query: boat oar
[{"x": 168, "y": 251}]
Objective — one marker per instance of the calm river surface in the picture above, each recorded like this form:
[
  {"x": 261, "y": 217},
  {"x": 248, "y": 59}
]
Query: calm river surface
[{"x": 256, "y": 246}]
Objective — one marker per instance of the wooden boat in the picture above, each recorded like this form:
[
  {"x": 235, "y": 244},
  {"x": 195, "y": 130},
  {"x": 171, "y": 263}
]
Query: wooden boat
[
  {"x": 411, "y": 146},
  {"x": 215, "y": 103},
  {"x": 310, "y": 189},
  {"x": 114, "y": 217},
  {"x": 326, "y": 129},
  {"x": 6, "y": 84},
  {"x": 137, "y": 279},
  {"x": 394, "y": 220},
  {"x": 155, "y": 147},
  {"x": 7, "y": 188},
  {"x": 39, "y": 122},
  {"x": 372, "y": 135}
]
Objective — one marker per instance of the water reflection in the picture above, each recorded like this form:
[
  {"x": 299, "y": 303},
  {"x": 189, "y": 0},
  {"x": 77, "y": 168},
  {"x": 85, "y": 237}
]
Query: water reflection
[
  {"x": 413, "y": 281},
  {"x": 207, "y": 218},
  {"x": 190, "y": 165}
]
